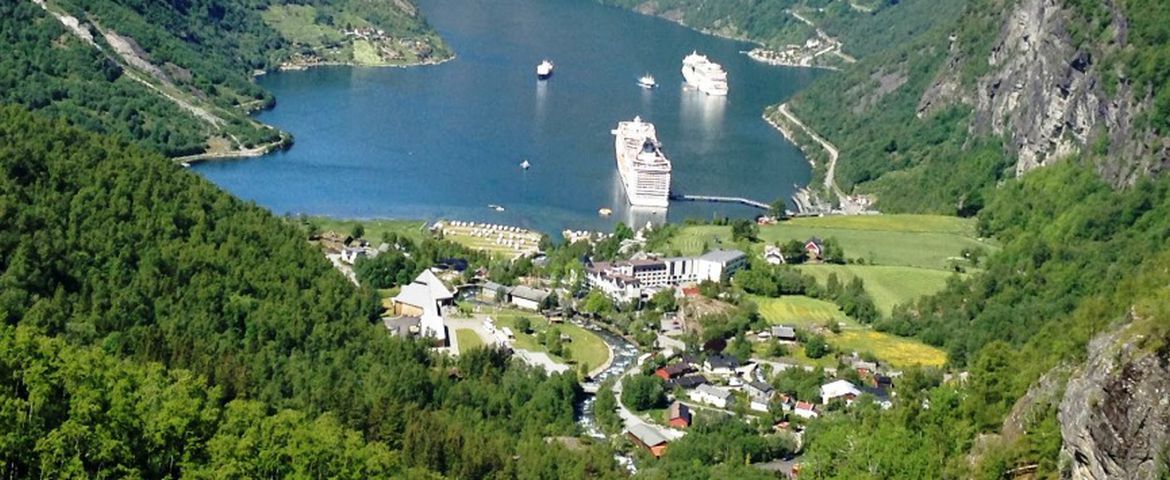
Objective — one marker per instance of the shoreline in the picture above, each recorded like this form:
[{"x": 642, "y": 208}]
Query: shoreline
[
  {"x": 304, "y": 67},
  {"x": 755, "y": 55}
]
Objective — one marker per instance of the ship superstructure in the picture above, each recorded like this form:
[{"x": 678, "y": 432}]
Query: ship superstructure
[
  {"x": 705, "y": 75},
  {"x": 644, "y": 169}
]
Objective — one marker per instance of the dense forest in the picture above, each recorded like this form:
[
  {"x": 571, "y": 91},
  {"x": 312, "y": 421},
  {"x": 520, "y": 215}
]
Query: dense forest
[
  {"x": 154, "y": 326},
  {"x": 175, "y": 76}
]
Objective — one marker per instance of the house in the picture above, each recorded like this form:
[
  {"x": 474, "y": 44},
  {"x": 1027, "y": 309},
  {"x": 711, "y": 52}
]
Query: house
[
  {"x": 674, "y": 371},
  {"x": 815, "y": 248},
  {"x": 679, "y": 415},
  {"x": 527, "y": 298},
  {"x": 880, "y": 397},
  {"x": 839, "y": 389},
  {"x": 805, "y": 410},
  {"x": 719, "y": 363},
  {"x": 490, "y": 291},
  {"x": 773, "y": 255},
  {"x": 647, "y": 437},
  {"x": 424, "y": 298},
  {"x": 759, "y": 389},
  {"x": 686, "y": 382},
  {"x": 784, "y": 333},
  {"x": 760, "y": 394},
  {"x": 711, "y": 395}
]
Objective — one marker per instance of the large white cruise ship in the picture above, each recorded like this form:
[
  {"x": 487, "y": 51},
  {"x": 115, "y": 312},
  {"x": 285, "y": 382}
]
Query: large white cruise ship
[
  {"x": 704, "y": 74},
  {"x": 644, "y": 169}
]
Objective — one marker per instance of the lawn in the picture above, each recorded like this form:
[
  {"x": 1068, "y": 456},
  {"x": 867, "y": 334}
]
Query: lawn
[
  {"x": 298, "y": 24},
  {"x": 888, "y": 285},
  {"x": 798, "y": 311},
  {"x": 467, "y": 339},
  {"x": 923, "y": 241},
  {"x": 586, "y": 347},
  {"x": 365, "y": 53},
  {"x": 854, "y": 337},
  {"x": 413, "y": 229}
]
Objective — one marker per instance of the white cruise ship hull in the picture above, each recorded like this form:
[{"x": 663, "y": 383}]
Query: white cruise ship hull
[
  {"x": 701, "y": 84},
  {"x": 644, "y": 169}
]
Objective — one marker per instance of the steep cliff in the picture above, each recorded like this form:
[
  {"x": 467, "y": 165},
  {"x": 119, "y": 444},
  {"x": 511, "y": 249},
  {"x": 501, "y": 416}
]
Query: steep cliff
[
  {"x": 1116, "y": 409},
  {"x": 1046, "y": 93}
]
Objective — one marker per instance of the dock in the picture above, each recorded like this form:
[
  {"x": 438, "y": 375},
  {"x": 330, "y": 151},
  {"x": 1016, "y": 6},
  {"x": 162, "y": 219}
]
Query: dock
[{"x": 719, "y": 199}]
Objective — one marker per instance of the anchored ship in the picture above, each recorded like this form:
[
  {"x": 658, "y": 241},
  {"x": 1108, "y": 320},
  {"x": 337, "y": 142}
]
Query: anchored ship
[
  {"x": 544, "y": 70},
  {"x": 705, "y": 75},
  {"x": 647, "y": 81},
  {"x": 644, "y": 169}
]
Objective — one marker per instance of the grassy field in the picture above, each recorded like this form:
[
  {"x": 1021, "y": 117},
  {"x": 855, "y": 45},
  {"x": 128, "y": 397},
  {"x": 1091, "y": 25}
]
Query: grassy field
[
  {"x": 586, "y": 347},
  {"x": 854, "y": 337},
  {"x": 413, "y": 229},
  {"x": 899, "y": 351},
  {"x": 888, "y": 285},
  {"x": 522, "y": 242},
  {"x": 364, "y": 53},
  {"x": 467, "y": 339},
  {"x": 798, "y": 311},
  {"x": 922, "y": 241},
  {"x": 298, "y": 24}
]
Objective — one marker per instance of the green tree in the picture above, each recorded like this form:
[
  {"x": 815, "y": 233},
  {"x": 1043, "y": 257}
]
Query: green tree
[
  {"x": 643, "y": 392},
  {"x": 816, "y": 347}
]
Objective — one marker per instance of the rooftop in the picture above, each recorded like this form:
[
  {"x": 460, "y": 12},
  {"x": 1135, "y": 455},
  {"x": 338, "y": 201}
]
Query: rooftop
[
  {"x": 529, "y": 293},
  {"x": 722, "y": 256},
  {"x": 647, "y": 435}
]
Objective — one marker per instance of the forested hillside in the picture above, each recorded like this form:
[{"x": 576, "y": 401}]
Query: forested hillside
[
  {"x": 1046, "y": 119},
  {"x": 177, "y": 76},
  {"x": 155, "y": 326}
]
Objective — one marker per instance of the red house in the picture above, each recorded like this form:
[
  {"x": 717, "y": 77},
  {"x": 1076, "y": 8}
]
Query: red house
[
  {"x": 815, "y": 248},
  {"x": 680, "y": 415}
]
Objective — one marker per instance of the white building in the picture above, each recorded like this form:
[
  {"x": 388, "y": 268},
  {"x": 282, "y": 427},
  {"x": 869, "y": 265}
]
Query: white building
[
  {"x": 528, "y": 298},
  {"x": 773, "y": 255},
  {"x": 633, "y": 279},
  {"x": 424, "y": 298},
  {"x": 710, "y": 395},
  {"x": 839, "y": 389}
]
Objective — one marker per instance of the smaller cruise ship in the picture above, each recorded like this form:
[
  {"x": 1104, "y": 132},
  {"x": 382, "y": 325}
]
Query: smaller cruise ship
[
  {"x": 647, "y": 81},
  {"x": 544, "y": 70},
  {"x": 705, "y": 75},
  {"x": 643, "y": 167}
]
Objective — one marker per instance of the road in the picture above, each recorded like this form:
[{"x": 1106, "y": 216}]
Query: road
[
  {"x": 831, "y": 170},
  {"x": 476, "y": 324},
  {"x": 630, "y": 418}
]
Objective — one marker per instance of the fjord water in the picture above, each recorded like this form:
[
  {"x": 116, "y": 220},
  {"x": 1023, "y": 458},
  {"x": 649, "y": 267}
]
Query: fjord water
[{"x": 446, "y": 141}]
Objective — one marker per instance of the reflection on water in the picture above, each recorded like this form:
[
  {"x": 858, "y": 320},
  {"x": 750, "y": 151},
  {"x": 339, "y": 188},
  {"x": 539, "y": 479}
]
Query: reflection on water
[
  {"x": 541, "y": 101},
  {"x": 702, "y": 117}
]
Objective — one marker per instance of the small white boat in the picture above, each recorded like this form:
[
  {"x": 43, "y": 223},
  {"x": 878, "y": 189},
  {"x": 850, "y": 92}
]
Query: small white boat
[
  {"x": 605, "y": 212},
  {"x": 544, "y": 70},
  {"x": 498, "y": 208},
  {"x": 647, "y": 81},
  {"x": 525, "y": 165}
]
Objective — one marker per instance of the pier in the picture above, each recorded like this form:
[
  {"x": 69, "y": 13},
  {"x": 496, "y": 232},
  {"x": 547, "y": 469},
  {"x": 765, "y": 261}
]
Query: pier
[{"x": 714, "y": 198}]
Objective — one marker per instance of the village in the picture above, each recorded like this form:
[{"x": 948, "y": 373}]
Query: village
[{"x": 664, "y": 335}]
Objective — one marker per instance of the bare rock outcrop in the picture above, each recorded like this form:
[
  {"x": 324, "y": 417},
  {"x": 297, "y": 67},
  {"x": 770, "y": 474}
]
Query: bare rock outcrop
[{"x": 1115, "y": 415}]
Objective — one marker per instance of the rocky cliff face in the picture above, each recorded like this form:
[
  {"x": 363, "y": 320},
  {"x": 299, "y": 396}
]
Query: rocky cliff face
[
  {"x": 1115, "y": 410},
  {"x": 1045, "y": 96}
]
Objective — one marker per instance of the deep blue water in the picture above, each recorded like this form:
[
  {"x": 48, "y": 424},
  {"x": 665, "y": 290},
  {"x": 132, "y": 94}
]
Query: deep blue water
[{"x": 446, "y": 140}]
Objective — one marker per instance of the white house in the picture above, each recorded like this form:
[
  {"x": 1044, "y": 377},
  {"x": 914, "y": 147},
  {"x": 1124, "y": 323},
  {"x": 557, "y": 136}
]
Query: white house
[
  {"x": 528, "y": 298},
  {"x": 839, "y": 389},
  {"x": 773, "y": 256},
  {"x": 710, "y": 395},
  {"x": 805, "y": 410},
  {"x": 350, "y": 255}
]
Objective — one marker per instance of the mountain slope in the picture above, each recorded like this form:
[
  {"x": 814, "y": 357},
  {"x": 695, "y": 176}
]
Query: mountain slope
[
  {"x": 153, "y": 325},
  {"x": 177, "y": 75}
]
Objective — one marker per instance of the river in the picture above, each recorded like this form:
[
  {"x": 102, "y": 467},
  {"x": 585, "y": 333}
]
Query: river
[{"x": 447, "y": 140}]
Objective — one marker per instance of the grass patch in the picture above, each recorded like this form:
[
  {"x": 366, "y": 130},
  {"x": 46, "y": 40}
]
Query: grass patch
[
  {"x": 888, "y": 285},
  {"x": 799, "y": 311},
  {"x": 298, "y": 24},
  {"x": 586, "y": 347},
  {"x": 922, "y": 241},
  {"x": 467, "y": 339},
  {"x": 898, "y": 351},
  {"x": 808, "y": 312},
  {"x": 375, "y": 229},
  {"x": 364, "y": 53}
]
